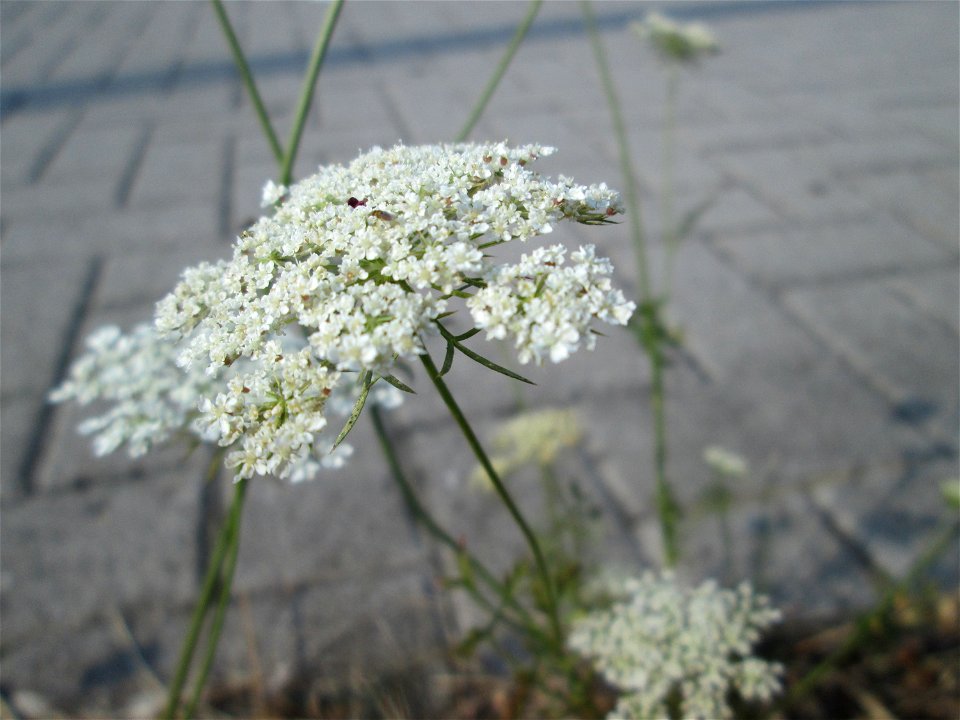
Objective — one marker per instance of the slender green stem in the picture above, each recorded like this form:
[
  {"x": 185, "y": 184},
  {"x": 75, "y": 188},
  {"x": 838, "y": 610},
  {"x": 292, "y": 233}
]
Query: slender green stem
[
  {"x": 518, "y": 517},
  {"x": 667, "y": 507},
  {"x": 210, "y": 583},
  {"x": 650, "y": 331},
  {"x": 669, "y": 228},
  {"x": 247, "y": 76},
  {"x": 500, "y": 70},
  {"x": 225, "y": 585},
  {"x": 228, "y": 542},
  {"x": 306, "y": 94},
  {"x": 525, "y": 622},
  {"x": 631, "y": 192}
]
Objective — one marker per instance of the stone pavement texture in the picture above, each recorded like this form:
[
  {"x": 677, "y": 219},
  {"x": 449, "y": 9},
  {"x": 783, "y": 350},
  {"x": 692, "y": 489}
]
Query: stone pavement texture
[{"x": 818, "y": 300}]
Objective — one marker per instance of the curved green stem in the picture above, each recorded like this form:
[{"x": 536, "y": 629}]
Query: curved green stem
[
  {"x": 210, "y": 582},
  {"x": 306, "y": 94},
  {"x": 524, "y": 622},
  {"x": 225, "y": 585},
  {"x": 500, "y": 70},
  {"x": 481, "y": 455},
  {"x": 247, "y": 77}
]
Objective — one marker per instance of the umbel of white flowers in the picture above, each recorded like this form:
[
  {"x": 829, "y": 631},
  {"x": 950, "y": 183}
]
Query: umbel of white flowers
[
  {"x": 660, "y": 644},
  {"x": 151, "y": 400},
  {"x": 677, "y": 42},
  {"x": 348, "y": 273}
]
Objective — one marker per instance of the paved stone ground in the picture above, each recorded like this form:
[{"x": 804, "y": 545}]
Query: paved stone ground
[{"x": 818, "y": 301}]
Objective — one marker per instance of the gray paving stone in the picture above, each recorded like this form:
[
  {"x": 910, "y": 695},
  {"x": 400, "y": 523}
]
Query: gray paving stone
[
  {"x": 17, "y": 416},
  {"x": 93, "y": 669},
  {"x": 731, "y": 208},
  {"x": 936, "y": 123},
  {"x": 95, "y": 151},
  {"x": 38, "y": 312},
  {"x": 779, "y": 544},
  {"x": 933, "y": 293},
  {"x": 908, "y": 357},
  {"x": 172, "y": 171},
  {"x": 917, "y": 200},
  {"x": 326, "y": 635},
  {"x": 107, "y": 37},
  {"x": 135, "y": 281},
  {"x": 103, "y": 547},
  {"x": 63, "y": 201},
  {"x": 247, "y": 192},
  {"x": 296, "y": 533},
  {"x": 153, "y": 49},
  {"x": 39, "y": 59},
  {"x": 62, "y": 239},
  {"x": 833, "y": 252},
  {"x": 796, "y": 182},
  {"x": 895, "y": 513},
  {"x": 31, "y": 240},
  {"x": 25, "y": 138},
  {"x": 762, "y": 358}
]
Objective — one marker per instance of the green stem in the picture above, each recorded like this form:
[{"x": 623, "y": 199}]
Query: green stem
[
  {"x": 525, "y": 622},
  {"x": 481, "y": 455},
  {"x": 650, "y": 331},
  {"x": 247, "y": 77},
  {"x": 225, "y": 584},
  {"x": 210, "y": 583},
  {"x": 306, "y": 94},
  {"x": 670, "y": 238},
  {"x": 500, "y": 70},
  {"x": 631, "y": 193},
  {"x": 667, "y": 507}
]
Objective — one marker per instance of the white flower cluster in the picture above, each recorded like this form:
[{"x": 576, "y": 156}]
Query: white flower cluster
[
  {"x": 530, "y": 438},
  {"x": 361, "y": 261},
  {"x": 725, "y": 463},
  {"x": 660, "y": 643},
  {"x": 684, "y": 43},
  {"x": 152, "y": 399},
  {"x": 546, "y": 306}
]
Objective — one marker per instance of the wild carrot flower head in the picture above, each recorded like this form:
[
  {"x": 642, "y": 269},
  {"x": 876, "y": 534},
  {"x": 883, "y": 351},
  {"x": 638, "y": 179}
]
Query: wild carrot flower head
[
  {"x": 531, "y": 438},
  {"x": 676, "y": 42},
  {"x": 361, "y": 261},
  {"x": 151, "y": 400},
  {"x": 725, "y": 463},
  {"x": 658, "y": 642}
]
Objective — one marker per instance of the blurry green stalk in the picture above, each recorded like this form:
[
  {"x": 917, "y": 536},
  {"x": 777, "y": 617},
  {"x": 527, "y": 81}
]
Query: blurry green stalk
[
  {"x": 500, "y": 70},
  {"x": 219, "y": 577},
  {"x": 546, "y": 578},
  {"x": 216, "y": 586},
  {"x": 649, "y": 328}
]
